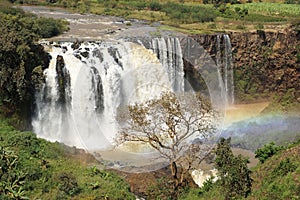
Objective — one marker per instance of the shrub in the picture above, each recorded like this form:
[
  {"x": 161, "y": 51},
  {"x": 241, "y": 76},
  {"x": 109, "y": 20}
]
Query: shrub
[
  {"x": 68, "y": 184},
  {"x": 284, "y": 167},
  {"x": 155, "y": 6},
  {"x": 267, "y": 151},
  {"x": 12, "y": 178}
]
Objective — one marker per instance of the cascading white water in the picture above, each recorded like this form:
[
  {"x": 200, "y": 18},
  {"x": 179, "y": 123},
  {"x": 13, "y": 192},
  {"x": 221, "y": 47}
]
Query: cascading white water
[
  {"x": 225, "y": 67},
  {"x": 229, "y": 86},
  {"x": 104, "y": 76},
  {"x": 219, "y": 62},
  {"x": 170, "y": 55}
]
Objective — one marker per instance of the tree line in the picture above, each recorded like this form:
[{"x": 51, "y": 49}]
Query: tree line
[{"x": 22, "y": 59}]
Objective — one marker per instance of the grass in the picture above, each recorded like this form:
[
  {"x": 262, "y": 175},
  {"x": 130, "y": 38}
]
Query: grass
[
  {"x": 173, "y": 15},
  {"x": 47, "y": 170},
  {"x": 271, "y": 9},
  {"x": 277, "y": 178}
]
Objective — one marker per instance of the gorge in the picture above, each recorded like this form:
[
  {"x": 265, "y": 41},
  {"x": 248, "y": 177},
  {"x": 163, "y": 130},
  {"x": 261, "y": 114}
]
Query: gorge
[
  {"x": 90, "y": 79},
  {"x": 80, "y": 92},
  {"x": 88, "y": 82}
]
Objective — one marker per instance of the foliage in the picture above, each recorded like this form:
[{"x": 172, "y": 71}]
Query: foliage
[
  {"x": 284, "y": 102},
  {"x": 17, "y": 61},
  {"x": 168, "y": 125},
  {"x": 20, "y": 54},
  {"x": 34, "y": 168},
  {"x": 278, "y": 177},
  {"x": 271, "y": 9},
  {"x": 68, "y": 184},
  {"x": 267, "y": 151},
  {"x": 186, "y": 13},
  {"x": 161, "y": 189},
  {"x": 291, "y": 1},
  {"x": 12, "y": 179},
  {"x": 284, "y": 167},
  {"x": 233, "y": 171},
  {"x": 189, "y": 14},
  {"x": 155, "y": 6}
]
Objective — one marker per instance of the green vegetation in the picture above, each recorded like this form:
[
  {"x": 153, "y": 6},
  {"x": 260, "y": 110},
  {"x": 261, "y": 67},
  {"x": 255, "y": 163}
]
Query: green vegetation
[
  {"x": 233, "y": 171},
  {"x": 32, "y": 168},
  {"x": 276, "y": 178},
  {"x": 286, "y": 102},
  {"x": 267, "y": 151},
  {"x": 20, "y": 56},
  {"x": 189, "y": 16},
  {"x": 234, "y": 181},
  {"x": 270, "y": 9}
]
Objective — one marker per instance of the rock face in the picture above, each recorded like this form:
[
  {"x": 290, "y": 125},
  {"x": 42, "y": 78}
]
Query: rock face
[
  {"x": 264, "y": 63},
  {"x": 267, "y": 62},
  {"x": 63, "y": 81}
]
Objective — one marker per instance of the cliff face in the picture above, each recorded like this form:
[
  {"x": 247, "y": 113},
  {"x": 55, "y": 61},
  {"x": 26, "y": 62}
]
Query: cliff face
[{"x": 265, "y": 63}]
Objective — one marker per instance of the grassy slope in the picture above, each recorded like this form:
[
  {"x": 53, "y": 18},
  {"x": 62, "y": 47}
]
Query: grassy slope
[
  {"x": 272, "y": 179},
  {"x": 277, "y": 178},
  {"x": 45, "y": 171}
]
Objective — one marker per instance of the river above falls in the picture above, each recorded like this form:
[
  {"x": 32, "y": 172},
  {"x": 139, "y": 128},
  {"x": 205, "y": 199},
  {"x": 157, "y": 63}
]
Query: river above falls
[{"x": 96, "y": 27}]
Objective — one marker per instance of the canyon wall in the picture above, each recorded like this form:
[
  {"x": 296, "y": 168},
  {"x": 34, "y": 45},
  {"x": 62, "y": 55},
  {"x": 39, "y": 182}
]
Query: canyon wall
[{"x": 265, "y": 63}]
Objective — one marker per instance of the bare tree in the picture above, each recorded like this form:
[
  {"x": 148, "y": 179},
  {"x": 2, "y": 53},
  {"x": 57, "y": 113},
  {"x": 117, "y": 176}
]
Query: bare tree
[{"x": 171, "y": 125}]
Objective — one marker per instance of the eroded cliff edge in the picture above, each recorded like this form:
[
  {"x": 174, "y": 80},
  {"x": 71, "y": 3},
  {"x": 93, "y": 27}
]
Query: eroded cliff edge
[{"x": 266, "y": 64}]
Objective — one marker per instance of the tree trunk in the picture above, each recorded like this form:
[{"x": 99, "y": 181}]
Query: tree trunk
[{"x": 174, "y": 172}]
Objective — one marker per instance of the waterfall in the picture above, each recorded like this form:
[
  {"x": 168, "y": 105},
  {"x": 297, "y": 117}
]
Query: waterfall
[
  {"x": 225, "y": 67},
  {"x": 87, "y": 83},
  {"x": 168, "y": 51},
  {"x": 229, "y": 86}
]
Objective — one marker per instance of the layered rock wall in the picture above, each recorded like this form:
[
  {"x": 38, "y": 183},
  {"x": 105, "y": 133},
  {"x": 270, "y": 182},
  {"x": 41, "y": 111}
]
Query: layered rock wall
[{"x": 265, "y": 63}]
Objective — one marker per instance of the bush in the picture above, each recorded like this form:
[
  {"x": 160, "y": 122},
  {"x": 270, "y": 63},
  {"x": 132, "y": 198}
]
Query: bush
[
  {"x": 68, "y": 184},
  {"x": 155, "y": 6},
  {"x": 267, "y": 151},
  {"x": 48, "y": 27},
  {"x": 12, "y": 178},
  {"x": 284, "y": 167}
]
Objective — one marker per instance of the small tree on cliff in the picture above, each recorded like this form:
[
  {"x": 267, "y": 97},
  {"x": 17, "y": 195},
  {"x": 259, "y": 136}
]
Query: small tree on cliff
[
  {"x": 233, "y": 171},
  {"x": 169, "y": 125}
]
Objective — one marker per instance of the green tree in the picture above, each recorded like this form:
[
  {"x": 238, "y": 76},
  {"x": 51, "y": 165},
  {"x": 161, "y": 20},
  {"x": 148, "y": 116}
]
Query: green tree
[
  {"x": 19, "y": 55},
  {"x": 233, "y": 171},
  {"x": 22, "y": 60}
]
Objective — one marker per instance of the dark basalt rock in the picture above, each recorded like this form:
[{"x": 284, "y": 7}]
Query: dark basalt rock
[
  {"x": 76, "y": 45},
  {"x": 85, "y": 54},
  {"x": 116, "y": 55},
  {"x": 264, "y": 62},
  {"x": 63, "y": 81}
]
